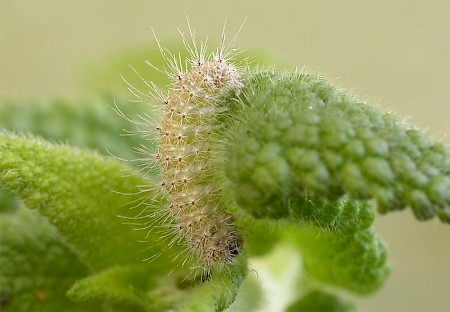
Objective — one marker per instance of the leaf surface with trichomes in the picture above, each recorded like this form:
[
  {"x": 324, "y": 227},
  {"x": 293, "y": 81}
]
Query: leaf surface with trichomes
[
  {"x": 37, "y": 267},
  {"x": 293, "y": 135},
  {"x": 81, "y": 193}
]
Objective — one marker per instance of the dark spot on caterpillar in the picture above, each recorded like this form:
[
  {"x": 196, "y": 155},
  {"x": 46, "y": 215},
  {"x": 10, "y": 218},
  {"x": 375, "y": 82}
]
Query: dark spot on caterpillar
[
  {"x": 205, "y": 277},
  {"x": 235, "y": 247}
]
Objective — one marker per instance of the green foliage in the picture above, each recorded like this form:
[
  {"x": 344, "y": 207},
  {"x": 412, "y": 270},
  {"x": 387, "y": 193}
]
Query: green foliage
[
  {"x": 81, "y": 193},
  {"x": 250, "y": 296},
  {"x": 318, "y": 301},
  {"x": 89, "y": 124},
  {"x": 36, "y": 266},
  {"x": 117, "y": 285},
  {"x": 299, "y": 135},
  {"x": 355, "y": 260},
  {"x": 217, "y": 293},
  {"x": 342, "y": 215},
  {"x": 8, "y": 203},
  {"x": 302, "y": 164}
]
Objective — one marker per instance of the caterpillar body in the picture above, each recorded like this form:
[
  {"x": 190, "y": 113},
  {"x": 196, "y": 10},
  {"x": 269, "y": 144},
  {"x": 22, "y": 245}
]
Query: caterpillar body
[{"x": 185, "y": 153}]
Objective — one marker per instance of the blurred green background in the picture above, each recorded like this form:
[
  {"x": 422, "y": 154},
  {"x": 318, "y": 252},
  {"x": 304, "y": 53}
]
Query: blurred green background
[{"x": 395, "y": 54}]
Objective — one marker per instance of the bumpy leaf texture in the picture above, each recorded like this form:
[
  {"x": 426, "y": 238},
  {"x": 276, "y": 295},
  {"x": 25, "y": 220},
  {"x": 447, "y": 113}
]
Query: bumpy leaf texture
[
  {"x": 37, "y": 268},
  {"x": 80, "y": 192},
  {"x": 89, "y": 124},
  {"x": 318, "y": 301},
  {"x": 353, "y": 258},
  {"x": 293, "y": 135}
]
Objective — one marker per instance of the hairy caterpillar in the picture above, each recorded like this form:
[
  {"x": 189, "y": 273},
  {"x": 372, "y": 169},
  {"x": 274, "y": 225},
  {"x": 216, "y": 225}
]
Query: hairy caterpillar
[{"x": 184, "y": 155}]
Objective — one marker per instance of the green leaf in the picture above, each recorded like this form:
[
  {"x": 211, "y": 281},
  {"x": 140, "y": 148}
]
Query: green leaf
[
  {"x": 217, "y": 293},
  {"x": 353, "y": 260},
  {"x": 37, "y": 268},
  {"x": 122, "y": 285},
  {"x": 299, "y": 135},
  {"x": 339, "y": 216},
  {"x": 319, "y": 301},
  {"x": 89, "y": 124},
  {"x": 134, "y": 288},
  {"x": 8, "y": 202},
  {"x": 250, "y": 296},
  {"x": 82, "y": 194}
]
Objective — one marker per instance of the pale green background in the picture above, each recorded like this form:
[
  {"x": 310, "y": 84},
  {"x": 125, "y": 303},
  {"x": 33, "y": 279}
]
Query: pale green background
[{"x": 393, "y": 53}]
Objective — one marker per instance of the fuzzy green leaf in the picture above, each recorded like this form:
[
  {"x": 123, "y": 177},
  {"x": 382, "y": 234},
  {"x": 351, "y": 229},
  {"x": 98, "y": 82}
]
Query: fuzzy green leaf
[
  {"x": 299, "y": 134},
  {"x": 37, "y": 268},
  {"x": 354, "y": 260},
  {"x": 318, "y": 301},
  {"x": 126, "y": 286},
  {"x": 92, "y": 124},
  {"x": 133, "y": 288},
  {"x": 219, "y": 292},
  {"x": 8, "y": 202},
  {"x": 82, "y": 194},
  {"x": 341, "y": 216},
  {"x": 250, "y": 297}
]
